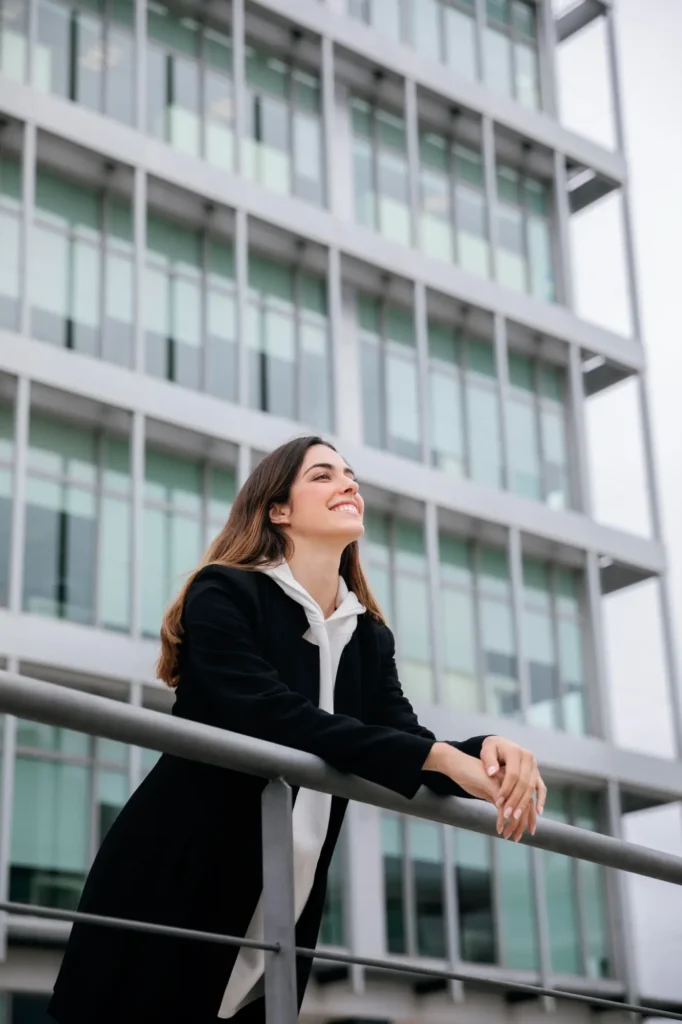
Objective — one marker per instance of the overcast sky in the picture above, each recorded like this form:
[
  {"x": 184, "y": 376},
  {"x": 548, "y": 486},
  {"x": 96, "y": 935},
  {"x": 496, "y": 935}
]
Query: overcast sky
[{"x": 650, "y": 46}]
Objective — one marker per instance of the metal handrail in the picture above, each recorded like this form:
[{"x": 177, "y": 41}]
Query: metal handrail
[{"x": 74, "y": 709}]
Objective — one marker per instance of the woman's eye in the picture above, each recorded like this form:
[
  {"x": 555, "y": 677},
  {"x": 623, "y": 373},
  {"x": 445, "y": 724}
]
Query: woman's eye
[{"x": 322, "y": 476}]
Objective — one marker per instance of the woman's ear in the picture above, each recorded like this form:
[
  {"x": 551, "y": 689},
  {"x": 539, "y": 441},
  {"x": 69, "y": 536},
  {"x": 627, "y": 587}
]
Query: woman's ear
[{"x": 279, "y": 515}]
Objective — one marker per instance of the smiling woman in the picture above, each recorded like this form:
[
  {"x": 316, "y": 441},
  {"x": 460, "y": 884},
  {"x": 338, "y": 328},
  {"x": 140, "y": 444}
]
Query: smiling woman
[{"x": 276, "y": 635}]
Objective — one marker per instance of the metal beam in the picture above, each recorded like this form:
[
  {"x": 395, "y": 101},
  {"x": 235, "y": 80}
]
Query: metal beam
[{"x": 578, "y": 17}]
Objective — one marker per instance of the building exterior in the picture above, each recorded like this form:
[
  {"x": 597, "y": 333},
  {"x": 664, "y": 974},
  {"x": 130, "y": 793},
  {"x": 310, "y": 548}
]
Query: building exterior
[{"x": 223, "y": 224}]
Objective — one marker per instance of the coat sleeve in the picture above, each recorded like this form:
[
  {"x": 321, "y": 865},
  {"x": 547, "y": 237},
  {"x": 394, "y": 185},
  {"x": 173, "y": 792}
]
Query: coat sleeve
[
  {"x": 393, "y": 709},
  {"x": 227, "y": 681}
]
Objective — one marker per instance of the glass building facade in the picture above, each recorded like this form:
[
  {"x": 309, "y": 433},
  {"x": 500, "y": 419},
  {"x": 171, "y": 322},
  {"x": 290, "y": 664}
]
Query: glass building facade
[{"x": 225, "y": 226}]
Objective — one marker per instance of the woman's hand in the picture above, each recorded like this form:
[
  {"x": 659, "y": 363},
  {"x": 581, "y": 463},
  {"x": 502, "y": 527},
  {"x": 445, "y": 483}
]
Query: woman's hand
[
  {"x": 468, "y": 772},
  {"x": 520, "y": 779}
]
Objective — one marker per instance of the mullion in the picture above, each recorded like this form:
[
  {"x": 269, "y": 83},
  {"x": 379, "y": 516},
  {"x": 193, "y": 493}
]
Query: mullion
[
  {"x": 560, "y": 689},
  {"x": 477, "y": 598},
  {"x": 99, "y": 517},
  {"x": 463, "y": 373}
]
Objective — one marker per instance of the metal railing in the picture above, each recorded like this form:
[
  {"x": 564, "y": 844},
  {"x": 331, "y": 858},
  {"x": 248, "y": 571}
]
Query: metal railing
[{"x": 284, "y": 767}]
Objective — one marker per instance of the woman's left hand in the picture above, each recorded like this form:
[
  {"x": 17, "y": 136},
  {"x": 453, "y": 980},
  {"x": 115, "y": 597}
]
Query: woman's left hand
[{"x": 521, "y": 781}]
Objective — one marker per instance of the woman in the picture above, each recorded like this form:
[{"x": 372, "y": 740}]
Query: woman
[{"x": 276, "y": 635}]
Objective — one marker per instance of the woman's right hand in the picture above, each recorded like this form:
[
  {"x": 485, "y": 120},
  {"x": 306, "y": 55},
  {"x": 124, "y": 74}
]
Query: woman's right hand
[{"x": 469, "y": 773}]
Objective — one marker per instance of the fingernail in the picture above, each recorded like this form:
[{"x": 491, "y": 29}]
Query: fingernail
[
  {"x": 517, "y": 813},
  {"x": 532, "y": 831},
  {"x": 499, "y": 801},
  {"x": 492, "y": 769},
  {"x": 517, "y": 839},
  {"x": 507, "y": 812},
  {"x": 540, "y": 810}
]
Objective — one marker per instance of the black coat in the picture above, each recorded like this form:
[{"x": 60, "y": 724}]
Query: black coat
[{"x": 186, "y": 848}]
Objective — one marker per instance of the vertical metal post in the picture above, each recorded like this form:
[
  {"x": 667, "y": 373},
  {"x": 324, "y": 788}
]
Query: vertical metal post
[
  {"x": 328, "y": 122},
  {"x": 490, "y": 179},
  {"x": 547, "y": 55},
  {"x": 619, "y": 898},
  {"x": 456, "y": 988},
  {"x": 239, "y": 73},
  {"x": 241, "y": 264},
  {"x": 141, "y": 65},
  {"x": 597, "y": 689},
  {"x": 8, "y": 762},
  {"x": 31, "y": 37},
  {"x": 516, "y": 577},
  {"x": 28, "y": 189},
  {"x": 412, "y": 136},
  {"x": 281, "y": 998},
  {"x": 542, "y": 926},
  {"x": 135, "y": 697},
  {"x": 502, "y": 366},
  {"x": 579, "y": 469},
  {"x": 562, "y": 246},
  {"x": 433, "y": 583}
]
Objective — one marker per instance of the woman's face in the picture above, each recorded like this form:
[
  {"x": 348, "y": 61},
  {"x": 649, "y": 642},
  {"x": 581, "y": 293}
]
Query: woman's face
[{"x": 324, "y": 503}]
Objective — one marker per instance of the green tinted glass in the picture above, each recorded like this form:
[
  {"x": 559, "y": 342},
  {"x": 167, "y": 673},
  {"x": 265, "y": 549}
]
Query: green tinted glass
[
  {"x": 481, "y": 357},
  {"x": 433, "y": 150},
  {"x": 521, "y": 372},
  {"x": 399, "y": 325},
  {"x": 70, "y": 203},
  {"x": 361, "y": 114},
  {"x": 313, "y": 293},
  {"x": 173, "y": 242},
  {"x": 274, "y": 279},
  {"x": 391, "y": 130},
  {"x": 10, "y": 177},
  {"x": 443, "y": 343},
  {"x": 369, "y": 314}
]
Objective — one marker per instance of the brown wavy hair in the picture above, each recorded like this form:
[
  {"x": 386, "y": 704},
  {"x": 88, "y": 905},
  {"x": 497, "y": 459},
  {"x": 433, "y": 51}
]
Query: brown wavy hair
[{"x": 249, "y": 540}]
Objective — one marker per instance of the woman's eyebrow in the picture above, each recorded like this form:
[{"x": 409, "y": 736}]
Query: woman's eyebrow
[{"x": 327, "y": 465}]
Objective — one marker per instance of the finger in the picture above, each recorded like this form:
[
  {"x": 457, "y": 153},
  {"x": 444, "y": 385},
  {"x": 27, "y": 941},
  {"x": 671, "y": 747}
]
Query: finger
[
  {"x": 518, "y": 800},
  {"x": 490, "y": 758},
  {"x": 527, "y": 823},
  {"x": 511, "y": 775},
  {"x": 542, "y": 794}
]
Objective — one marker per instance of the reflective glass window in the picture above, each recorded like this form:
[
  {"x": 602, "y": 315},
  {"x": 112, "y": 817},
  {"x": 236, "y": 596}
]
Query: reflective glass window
[
  {"x": 511, "y": 50},
  {"x": 10, "y": 233},
  {"x": 524, "y": 257},
  {"x": 381, "y": 180},
  {"x": 426, "y": 856},
  {"x": 392, "y": 837},
  {"x": 6, "y": 490},
  {"x": 474, "y": 886},
  {"x": 78, "y": 544}
]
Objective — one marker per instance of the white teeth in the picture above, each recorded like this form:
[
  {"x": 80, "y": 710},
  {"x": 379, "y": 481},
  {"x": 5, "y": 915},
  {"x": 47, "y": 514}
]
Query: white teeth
[{"x": 345, "y": 508}]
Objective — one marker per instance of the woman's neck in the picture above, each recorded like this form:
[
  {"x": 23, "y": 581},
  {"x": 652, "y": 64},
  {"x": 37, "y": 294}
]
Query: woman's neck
[{"x": 318, "y": 573}]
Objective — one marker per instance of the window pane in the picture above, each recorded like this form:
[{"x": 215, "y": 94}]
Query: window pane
[
  {"x": 460, "y": 42},
  {"x": 53, "y": 50},
  {"x": 9, "y": 268},
  {"x": 414, "y": 645},
  {"x": 527, "y": 75},
  {"x": 427, "y": 30},
  {"x": 372, "y": 404},
  {"x": 539, "y": 649},
  {"x": 172, "y": 548},
  {"x": 6, "y": 488},
  {"x": 402, "y": 407},
  {"x": 39, "y": 736},
  {"x": 117, "y": 340},
  {"x": 473, "y": 879},
  {"x": 472, "y": 241},
  {"x": 447, "y": 440},
  {"x": 498, "y": 66},
  {"x": 185, "y": 351},
  {"x": 484, "y": 434},
  {"x": 114, "y": 576},
  {"x": 49, "y": 845},
  {"x": 49, "y": 286},
  {"x": 385, "y": 15},
  {"x": 436, "y": 235},
  {"x": 511, "y": 260},
  {"x": 459, "y": 650},
  {"x": 593, "y": 892},
  {"x": 13, "y": 36},
  {"x": 112, "y": 793},
  {"x": 392, "y": 843},
  {"x": 394, "y": 214},
  {"x": 119, "y": 61},
  {"x": 363, "y": 178},
  {"x": 500, "y": 657},
  {"x": 562, "y": 913},
  {"x": 517, "y": 907},
  {"x": 88, "y": 35},
  {"x": 316, "y": 406},
  {"x": 572, "y": 673},
  {"x": 221, "y": 349},
  {"x": 540, "y": 254},
  {"x": 307, "y": 152},
  {"x": 60, "y": 554},
  {"x": 219, "y": 114},
  {"x": 555, "y": 452},
  {"x": 426, "y": 854},
  {"x": 524, "y": 451},
  {"x": 183, "y": 104}
]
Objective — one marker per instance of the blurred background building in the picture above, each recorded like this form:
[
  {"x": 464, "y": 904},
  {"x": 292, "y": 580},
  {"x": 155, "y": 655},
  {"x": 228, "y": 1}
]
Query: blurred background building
[{"x": 225, "y": 224}]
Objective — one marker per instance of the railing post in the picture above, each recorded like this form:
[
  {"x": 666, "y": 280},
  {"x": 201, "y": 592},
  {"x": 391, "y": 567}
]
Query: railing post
[{"x": 281, "y": 998}]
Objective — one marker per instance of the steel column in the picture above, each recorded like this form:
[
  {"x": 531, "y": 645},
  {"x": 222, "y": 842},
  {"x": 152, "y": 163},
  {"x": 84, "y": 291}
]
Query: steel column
[{"x": 281, "y": 1000}]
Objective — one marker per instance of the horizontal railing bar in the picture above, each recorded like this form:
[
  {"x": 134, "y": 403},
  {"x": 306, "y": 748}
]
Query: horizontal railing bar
[
  {"x": 379, "y": 963},
  {"x": 403, "y": 967},
  {"x": 29, "y": 910},
  {"x": 74, "y": 709}
]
